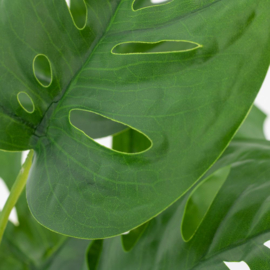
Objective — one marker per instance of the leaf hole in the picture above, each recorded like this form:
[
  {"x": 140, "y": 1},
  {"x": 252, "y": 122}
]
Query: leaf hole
[
  {"x": 130, "y": 239},
  {"x": 93, "y": 254},
  {"x": 142, "y": 4},
  {"x": 43, "y": 70},
  {"x": 267, "y": 244},
  {"x": 97, "y": 126},
  {"x": 200, "y": 200},
  {"x": 26, "y": 102},
  {"x": 164, "y": 46},
  {"x": 78, "y": 12},
  {"x": 237, "y": 265}
]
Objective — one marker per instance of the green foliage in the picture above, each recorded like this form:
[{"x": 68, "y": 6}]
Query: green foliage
[
  {"x": 172, "y": 83},
  {"x": 196, "y": 65},
  {"x": 234, "y": 228}
]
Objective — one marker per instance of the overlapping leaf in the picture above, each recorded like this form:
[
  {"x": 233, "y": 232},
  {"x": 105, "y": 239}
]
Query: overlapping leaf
[
  {"x": 234, "y": 229},
  {"x": 188, "y": 102}
]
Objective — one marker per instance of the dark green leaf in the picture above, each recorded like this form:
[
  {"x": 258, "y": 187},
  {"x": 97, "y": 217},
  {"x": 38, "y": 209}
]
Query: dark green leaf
[
  {"x": 182, "y": 101},
  {"x": 234, "y": 229}
]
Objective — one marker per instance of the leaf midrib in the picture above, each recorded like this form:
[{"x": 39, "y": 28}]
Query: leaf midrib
[{"x": 94, "y": 46}]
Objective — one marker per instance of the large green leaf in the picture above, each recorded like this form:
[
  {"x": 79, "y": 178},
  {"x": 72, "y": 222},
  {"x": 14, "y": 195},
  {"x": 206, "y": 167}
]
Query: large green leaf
[
  {"x": 185, "y": 74},
  {"x": 234, "y": 229}
]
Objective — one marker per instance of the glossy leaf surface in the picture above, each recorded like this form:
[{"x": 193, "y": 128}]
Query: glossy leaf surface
[
  {"x": 182, "y": 101},
  {"x": 234, "y": 229}
]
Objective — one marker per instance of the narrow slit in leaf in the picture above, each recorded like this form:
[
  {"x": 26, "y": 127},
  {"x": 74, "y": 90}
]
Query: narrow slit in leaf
[
  {"x": 131, "y": 141},
  {"x": 93, "y": 254},
  {"x": 200, "y": 201},
  {"x": 42, "y": 70},
  {"x": 237, "y": 265},
  {"x": 26, "y": 102},
  {"x": 142, "y": 4},
  {"x": 97, "y": 126},
  {"x": 164, "y": 46},
  {"x": 129, "y": 240},
  {"x": 78, "y": 12}
]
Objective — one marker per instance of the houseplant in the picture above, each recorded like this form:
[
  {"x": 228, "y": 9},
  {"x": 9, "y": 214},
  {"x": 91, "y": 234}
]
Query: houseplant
[{"x": 173, "y": 82}]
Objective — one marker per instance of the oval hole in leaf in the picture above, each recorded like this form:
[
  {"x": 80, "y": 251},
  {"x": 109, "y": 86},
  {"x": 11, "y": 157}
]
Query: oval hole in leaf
[
  {"x": 42, "y": 70},
  {"x": 129, "y": 240},
  {"x": 164, "y": 46},
  {"x": 97, "y": 126},
  {"x": 200, "y": 200},
  {"x": 141, "y": 4},
  {"x": 78, "y": 11},
  {"x": 26, "y": 102},
  {"x": 93, "y": 254},
  {"x": 131, "y": 141},
  {"x": 237, "y": 265}
]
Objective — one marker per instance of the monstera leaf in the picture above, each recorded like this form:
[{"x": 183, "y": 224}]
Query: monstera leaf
[
  {"x": 183, "y": 74},
  {"x": 231, "y": 227}
]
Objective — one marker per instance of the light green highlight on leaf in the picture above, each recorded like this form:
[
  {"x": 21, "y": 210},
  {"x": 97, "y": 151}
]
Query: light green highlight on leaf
[
  {"x": 43, "y": 70},
  {"x": 163, "y": 46},
  {"x": 15, "y": 193},
  {"x": 26, "y": 102},
  {"x": 79, "y": 13},
  {"x": 142, "y": 4},
  {"x": 200, "y": 200},
  {"x": 129, "y": 240}
]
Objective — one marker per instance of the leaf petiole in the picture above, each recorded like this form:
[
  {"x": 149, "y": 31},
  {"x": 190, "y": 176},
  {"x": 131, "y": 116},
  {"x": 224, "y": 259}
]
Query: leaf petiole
[{"x": 15, "y": 193}]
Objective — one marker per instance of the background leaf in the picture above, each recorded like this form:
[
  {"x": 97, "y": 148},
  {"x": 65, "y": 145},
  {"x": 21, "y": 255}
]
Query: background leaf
[
  {"x": 252, "y": 128},
  {"x": 234, "y": 229},
  {"x": 181, "y": 101}
]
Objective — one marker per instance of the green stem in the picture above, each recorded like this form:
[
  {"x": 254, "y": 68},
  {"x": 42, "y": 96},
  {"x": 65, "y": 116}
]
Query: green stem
[{"x": 15, "y": 193}]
